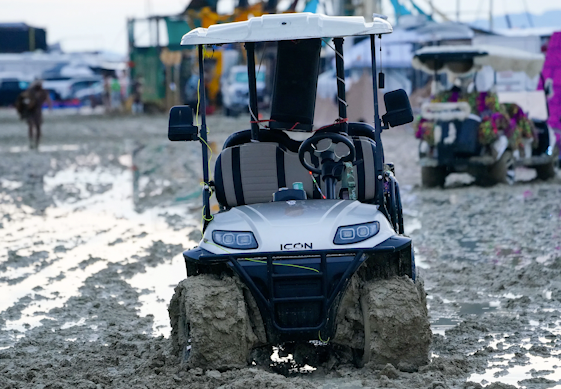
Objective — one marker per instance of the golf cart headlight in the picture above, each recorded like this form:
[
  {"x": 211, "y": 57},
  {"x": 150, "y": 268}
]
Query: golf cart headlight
[
  {"x": 356, "y": 233},
  {"x": 235, "y": 239}
]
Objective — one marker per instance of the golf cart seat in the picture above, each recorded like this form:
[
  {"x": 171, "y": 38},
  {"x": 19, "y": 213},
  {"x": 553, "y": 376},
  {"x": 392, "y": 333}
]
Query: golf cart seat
[
  {"x": 250, "y": 173},
  {"x": 276, "y": 136},
  {"x": 364, "y": 172}
]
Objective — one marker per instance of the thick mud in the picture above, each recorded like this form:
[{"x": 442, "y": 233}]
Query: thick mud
[
  {"x": 92, "y": 228},
  {"x": 398, "y": 329},
  {"x": 210, "y": 323}
]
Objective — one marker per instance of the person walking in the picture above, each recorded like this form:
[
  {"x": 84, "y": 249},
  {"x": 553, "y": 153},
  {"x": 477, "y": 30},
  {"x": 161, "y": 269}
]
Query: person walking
[
  {"x": 107, "y": 93},
  {"x": 29, "y": 105},
  {"x": 137, "y": 106},
  {"x": 116, "y": 98}
]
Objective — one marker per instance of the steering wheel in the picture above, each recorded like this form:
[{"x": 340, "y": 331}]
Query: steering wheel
[{"x": 310, "y": 144}]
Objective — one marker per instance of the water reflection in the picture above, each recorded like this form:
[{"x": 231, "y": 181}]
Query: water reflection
[
  {"x": 63, "y": 228},
  {"x": 521, "y": 369}
]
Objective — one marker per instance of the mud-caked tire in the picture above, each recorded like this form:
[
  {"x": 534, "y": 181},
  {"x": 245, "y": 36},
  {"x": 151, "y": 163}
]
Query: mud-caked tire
[
  {"x": 400, "y": 327},
  {"x": 547, "y": 171},
  {"x": 502, "y": 171},
  {"x": 210, "y": 324},
  {"x": 398, "y": 321},
  {"x": 433, "y": 176}
]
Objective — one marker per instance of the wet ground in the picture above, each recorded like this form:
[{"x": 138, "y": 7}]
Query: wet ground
[{"x": 93, "y": 224}]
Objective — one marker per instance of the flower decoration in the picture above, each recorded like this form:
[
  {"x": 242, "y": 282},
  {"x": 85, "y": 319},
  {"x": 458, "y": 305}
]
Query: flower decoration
[
  {"x": 521, "y": 126},
  {"x": 498, "y": 119},
  {"x": 491, "y": 127},
  {"x": 425, "y": 131}
]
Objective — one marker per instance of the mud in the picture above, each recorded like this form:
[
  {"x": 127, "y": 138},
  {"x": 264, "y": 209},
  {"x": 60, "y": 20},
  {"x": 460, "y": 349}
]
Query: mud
[
  {"x": 399, "y": 328},
  {"x": 210, "y": 323},
  {"x": 90, "y": 254}
]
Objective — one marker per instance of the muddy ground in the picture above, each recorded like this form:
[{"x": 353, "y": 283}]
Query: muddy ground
[{"x": 92, "y": 227}]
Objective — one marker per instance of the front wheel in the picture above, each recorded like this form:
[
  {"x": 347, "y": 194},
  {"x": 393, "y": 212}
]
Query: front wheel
[
  {"x": 433, "y": 176},
  {"x": 387, "y": 319},
  {"x": 547, "y": 170},
  {"x": 502, "y": 171},
  {"x": 210, "y": 322}
]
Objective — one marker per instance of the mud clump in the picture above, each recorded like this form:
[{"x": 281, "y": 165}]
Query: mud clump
[
  {"x": 399, "y": 326},
  {"x": 210, "y": 323},
  {"x": 399, "y": 320}
]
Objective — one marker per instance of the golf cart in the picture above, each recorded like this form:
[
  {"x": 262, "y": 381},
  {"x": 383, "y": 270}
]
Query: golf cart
[
  {"x": 307, "y": 252},
  {"x": 483, "y": 133}
]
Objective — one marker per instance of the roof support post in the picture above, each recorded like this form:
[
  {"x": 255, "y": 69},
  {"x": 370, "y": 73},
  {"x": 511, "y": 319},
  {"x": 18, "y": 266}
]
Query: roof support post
[
  {"x": 341, "y": 95},
  {"x": 254, "y": 114},
  {"x": 203, "y": 137},
  {"x": 379, "y": 160}
]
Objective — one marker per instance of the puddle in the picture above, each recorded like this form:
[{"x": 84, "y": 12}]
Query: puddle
[
  {"x": 469, "y": 244},
  {"x": 95, "y": 224},
  {"x": 458, "y": 311},
  {"x": 160, "y": 281},
  {"x": 42, "y": 148},
  {"x": 523, "y": 370},
  {"x": 441, "y": 325},
  {"x": 476, "y": 309},
  {"x": 420, "y": 260},
  {"x": 411, "y": 224}
]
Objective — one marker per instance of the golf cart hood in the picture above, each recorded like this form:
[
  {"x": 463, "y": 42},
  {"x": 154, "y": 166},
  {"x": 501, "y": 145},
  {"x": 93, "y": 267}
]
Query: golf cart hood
[{"x": 296, "y": 225}]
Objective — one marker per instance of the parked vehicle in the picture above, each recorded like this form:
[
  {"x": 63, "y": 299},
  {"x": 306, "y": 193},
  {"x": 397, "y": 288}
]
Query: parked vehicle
[
  {"x": 91, "y": 96},
  {"x": 481, "y": 132},
  {"x": 307, "y": 231},
  {"x": 65, "y": 88},
  {"x": 11, "y": 85},
  {"x": 235, "y": 91}
]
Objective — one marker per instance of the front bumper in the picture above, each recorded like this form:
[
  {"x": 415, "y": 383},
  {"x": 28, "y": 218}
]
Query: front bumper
[{"x": 298, "y": 293}]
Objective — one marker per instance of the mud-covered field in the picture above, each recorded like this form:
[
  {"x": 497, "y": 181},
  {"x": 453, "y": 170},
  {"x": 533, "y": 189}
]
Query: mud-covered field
[{"x": 93, "y": 225}]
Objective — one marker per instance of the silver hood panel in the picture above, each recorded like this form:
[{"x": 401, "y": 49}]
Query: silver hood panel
[{"x": 297, "y": 225}]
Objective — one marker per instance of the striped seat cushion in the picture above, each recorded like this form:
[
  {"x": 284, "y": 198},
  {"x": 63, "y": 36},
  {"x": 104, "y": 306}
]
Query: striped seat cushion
[
  {"x": 250, "y": 173},
  {"x": 364, "y": 172}
]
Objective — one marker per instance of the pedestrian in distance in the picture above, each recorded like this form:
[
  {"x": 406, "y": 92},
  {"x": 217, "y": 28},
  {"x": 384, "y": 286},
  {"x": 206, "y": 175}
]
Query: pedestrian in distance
[
  {"x": 137, "y": 106},
  {"x": 116, "y": 98},
  {"x": 29, "y": 105},
  {"x": 107, "y": 93}
]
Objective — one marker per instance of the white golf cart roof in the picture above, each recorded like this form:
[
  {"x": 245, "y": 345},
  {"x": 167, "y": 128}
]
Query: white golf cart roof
[
  {"x": 282, "y": 27},
  {"x": 463, "y": 59}
]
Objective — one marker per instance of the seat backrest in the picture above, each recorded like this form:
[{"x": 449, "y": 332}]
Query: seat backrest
[
  {"x": 364, "y": 172},
  {"x": 250, "y": 173}
]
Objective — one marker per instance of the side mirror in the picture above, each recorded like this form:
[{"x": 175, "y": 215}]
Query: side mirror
[
  {"x": 398, "y": 108},
  {"x": 181, "y": 126}
]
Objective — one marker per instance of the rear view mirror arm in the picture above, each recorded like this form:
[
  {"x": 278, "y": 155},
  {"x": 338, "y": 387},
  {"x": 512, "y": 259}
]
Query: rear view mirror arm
[
  {"x": 203, "y": 138},
  {"x": 379, "y": 158},
  {"x": 341, "y": 93},
  {"x": 252, "y": 84}
]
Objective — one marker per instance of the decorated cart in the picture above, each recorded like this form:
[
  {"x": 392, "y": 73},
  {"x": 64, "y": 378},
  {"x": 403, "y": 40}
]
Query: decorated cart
[{"x": 481, "y": 132}]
